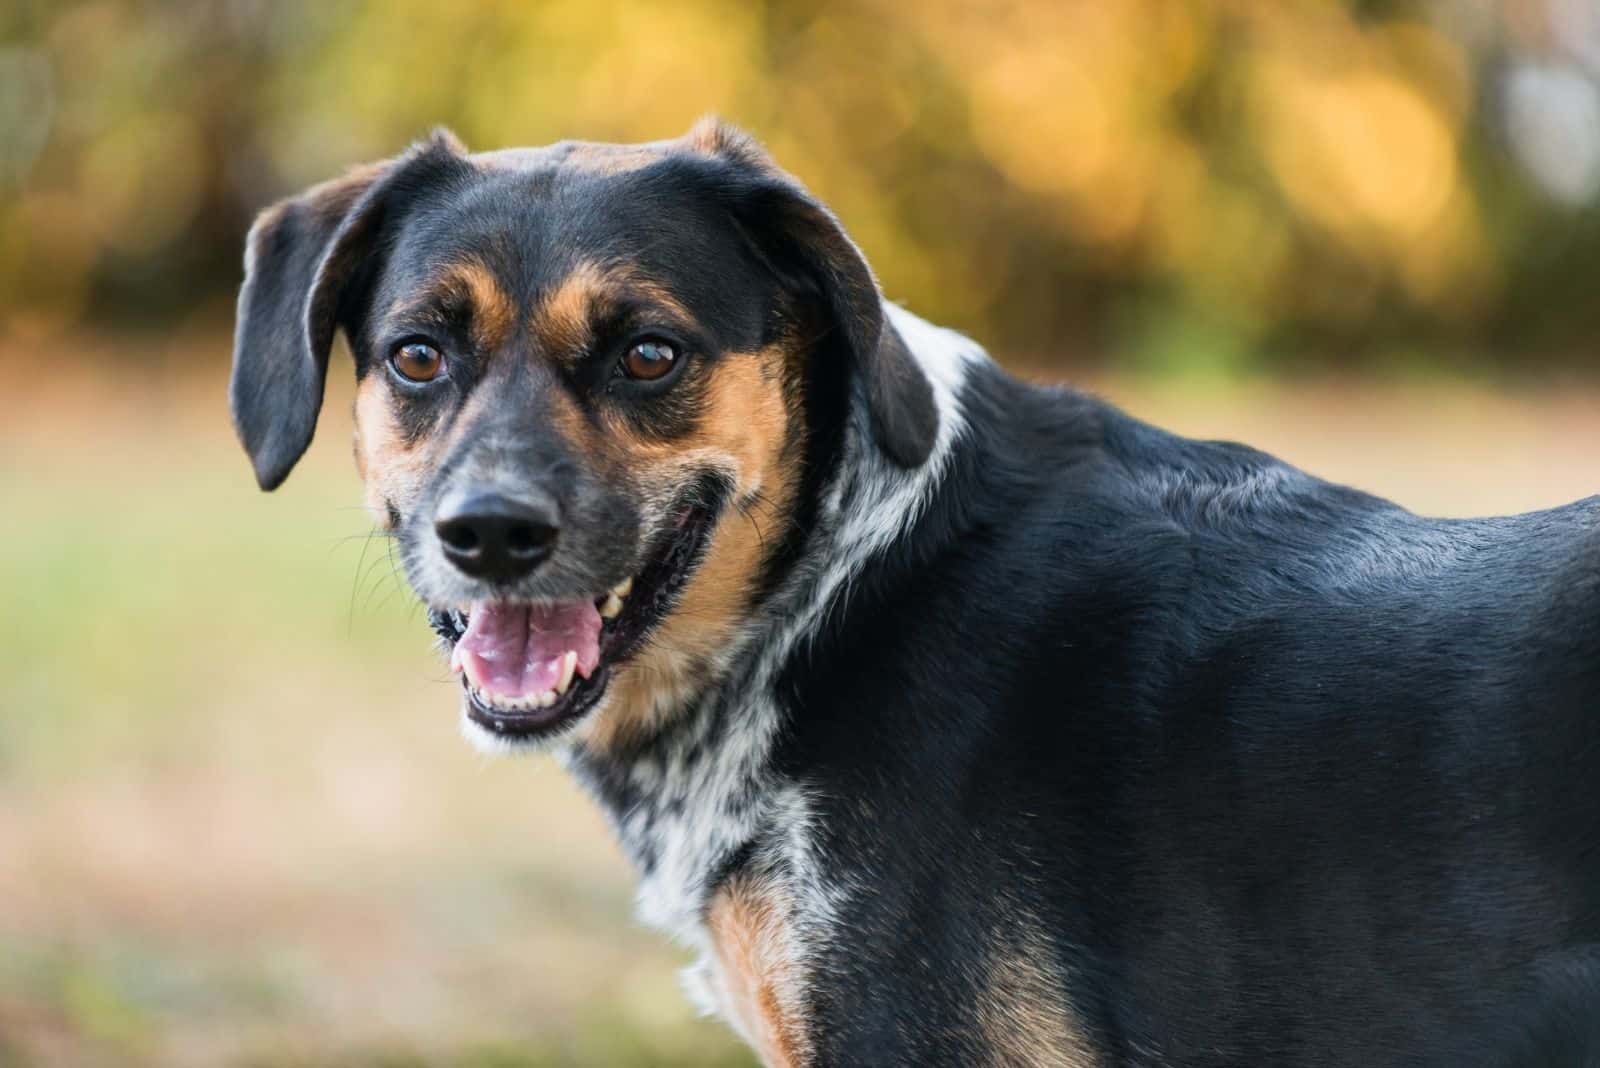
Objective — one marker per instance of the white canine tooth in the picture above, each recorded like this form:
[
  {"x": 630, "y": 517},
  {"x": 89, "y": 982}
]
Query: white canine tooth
[
  {"x": 569, "y": 664},
  {"x": 623, "y": 588},
  {"x": 612, "y": 608}
]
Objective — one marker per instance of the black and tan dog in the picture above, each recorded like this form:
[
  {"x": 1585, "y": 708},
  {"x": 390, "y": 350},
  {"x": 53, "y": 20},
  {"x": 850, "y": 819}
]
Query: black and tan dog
[{"x": 953, "y": 720}]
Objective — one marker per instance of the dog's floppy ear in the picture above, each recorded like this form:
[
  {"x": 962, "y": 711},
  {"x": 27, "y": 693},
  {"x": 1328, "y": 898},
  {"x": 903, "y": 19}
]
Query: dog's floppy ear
[
  {"x": 301, "y": 260},
  {"x": 803, "y": 241}
]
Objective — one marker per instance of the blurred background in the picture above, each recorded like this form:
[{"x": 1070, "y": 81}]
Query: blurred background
[{"x": 236, "y": 826}]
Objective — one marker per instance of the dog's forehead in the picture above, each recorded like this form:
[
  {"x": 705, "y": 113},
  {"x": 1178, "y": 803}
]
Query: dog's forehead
[
  {"x": 612, "y": 219},
  {"x": 579, "y": 200},
  {"x": 534, "y": 219}
]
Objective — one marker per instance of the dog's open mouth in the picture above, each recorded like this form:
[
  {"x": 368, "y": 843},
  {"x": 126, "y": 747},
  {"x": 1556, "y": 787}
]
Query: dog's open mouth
[{"x": 533, "y": 668}]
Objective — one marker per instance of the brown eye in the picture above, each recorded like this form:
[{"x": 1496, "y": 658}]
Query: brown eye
[
  {"x": 417, "y": 362},
  {"x": 649, "y": 360}
]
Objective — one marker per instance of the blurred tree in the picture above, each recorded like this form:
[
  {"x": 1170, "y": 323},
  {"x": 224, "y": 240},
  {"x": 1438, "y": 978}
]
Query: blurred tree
[{"x": 1168, "y": 181}]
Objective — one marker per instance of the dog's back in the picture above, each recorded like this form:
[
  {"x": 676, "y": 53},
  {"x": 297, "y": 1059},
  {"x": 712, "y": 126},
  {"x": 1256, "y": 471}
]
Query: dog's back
[
  {"x": 1289, "y": 774},
  {"x": 1555, "y": 1023}
]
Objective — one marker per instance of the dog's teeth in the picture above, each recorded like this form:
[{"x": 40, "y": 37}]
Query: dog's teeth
[
  {"x": 569, "y": 664},
  {"x": 611, "y": 608},
  {"x": 623, "y": 588},
  {"x": 456, "y": 659},
  {"x": 566, "y": 671}
]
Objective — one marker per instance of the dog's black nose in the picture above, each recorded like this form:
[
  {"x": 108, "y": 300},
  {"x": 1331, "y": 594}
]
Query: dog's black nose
[{"x": 497, "y": 538}]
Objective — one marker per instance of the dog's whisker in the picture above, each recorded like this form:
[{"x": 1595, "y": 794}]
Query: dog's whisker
[{"x": 356, "y": 580}]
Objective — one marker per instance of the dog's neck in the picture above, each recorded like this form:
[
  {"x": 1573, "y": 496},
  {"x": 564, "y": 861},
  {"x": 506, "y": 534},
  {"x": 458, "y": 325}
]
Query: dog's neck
[{"x": 702, "y": 793}]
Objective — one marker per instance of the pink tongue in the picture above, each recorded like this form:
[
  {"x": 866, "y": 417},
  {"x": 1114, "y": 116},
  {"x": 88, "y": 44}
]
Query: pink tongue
[{"x": 515, "y": 650}]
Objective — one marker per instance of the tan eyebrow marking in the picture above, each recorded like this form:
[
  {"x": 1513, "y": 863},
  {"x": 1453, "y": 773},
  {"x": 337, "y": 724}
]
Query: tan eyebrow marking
[
  {"x": 473, "y": 284},
  {"x": 564, "y": 318}
]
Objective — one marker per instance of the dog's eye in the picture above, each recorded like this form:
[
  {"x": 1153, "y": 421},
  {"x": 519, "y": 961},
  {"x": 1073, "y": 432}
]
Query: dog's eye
[
  {"x": 417, "y": 362},
  {"x": 649, "y": 360}
]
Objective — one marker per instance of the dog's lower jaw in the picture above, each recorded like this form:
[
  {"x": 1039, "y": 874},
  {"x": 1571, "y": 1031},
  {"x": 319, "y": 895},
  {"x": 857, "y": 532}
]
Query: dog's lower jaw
[
  {"x": 597, "y": 728},
  {"x": 489, "y": 743}
]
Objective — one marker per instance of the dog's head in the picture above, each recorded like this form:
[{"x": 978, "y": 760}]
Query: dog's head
[{"x": 598, "y": 387}]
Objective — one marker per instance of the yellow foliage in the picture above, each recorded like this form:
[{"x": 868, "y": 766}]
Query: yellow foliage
[{"x": 991, "y": 158}]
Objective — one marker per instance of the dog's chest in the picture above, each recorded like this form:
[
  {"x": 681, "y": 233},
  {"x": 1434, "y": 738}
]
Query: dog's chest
[
  {"x": 685, "y": 812},
  {"x": 722, "y": 845}
]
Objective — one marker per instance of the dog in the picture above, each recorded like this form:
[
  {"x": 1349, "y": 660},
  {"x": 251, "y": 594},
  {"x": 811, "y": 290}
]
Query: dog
[{"x": 950, "y": 719}]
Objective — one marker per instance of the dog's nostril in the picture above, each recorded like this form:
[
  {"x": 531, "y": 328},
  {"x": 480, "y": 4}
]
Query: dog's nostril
[
  {"x": 458, "y": 536},
  {"x": 494, "y": 537},
  {"x": 523, "y": 538}
]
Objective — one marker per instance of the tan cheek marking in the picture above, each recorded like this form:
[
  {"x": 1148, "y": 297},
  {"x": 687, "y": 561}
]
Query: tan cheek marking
[
  {"x": 748, "y": 421},
  {"x": 391, "y": 469},
  {"x": 756, "y": 971},
  {"x": 1022, "y": 1011},
  {"x": 746, "y": 431}
]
